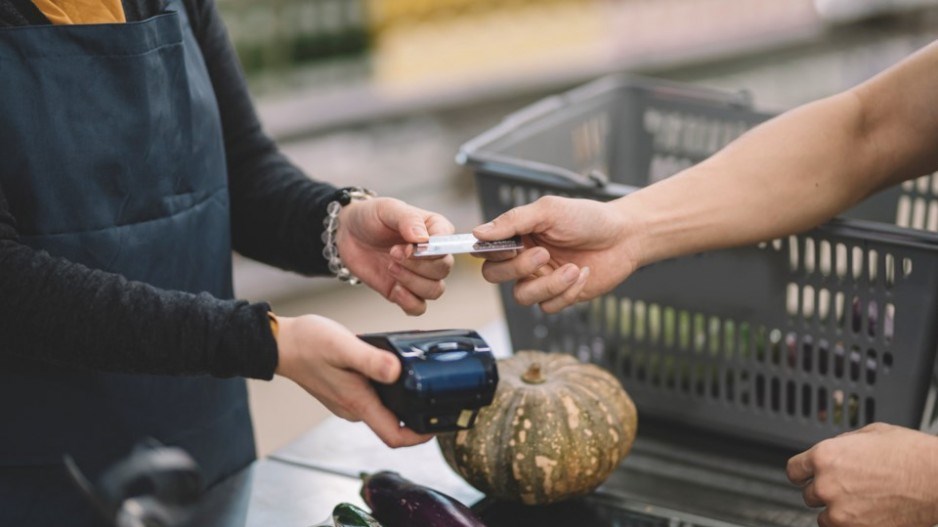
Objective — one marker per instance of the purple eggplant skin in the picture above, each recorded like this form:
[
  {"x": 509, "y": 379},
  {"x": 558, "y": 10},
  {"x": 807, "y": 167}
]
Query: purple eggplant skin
[{"x": 398, "y": 502}]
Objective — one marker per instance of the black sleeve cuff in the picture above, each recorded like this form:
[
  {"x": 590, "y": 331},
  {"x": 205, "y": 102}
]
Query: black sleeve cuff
[{"x": 248, "y": 346}]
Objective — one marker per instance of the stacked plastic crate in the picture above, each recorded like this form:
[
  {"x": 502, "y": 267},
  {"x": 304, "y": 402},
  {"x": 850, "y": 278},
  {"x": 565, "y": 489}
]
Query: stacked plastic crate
[{"x": 787, "y": 342}]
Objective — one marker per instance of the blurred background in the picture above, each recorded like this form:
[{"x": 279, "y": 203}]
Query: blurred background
[{"x": 381, "y": 93}]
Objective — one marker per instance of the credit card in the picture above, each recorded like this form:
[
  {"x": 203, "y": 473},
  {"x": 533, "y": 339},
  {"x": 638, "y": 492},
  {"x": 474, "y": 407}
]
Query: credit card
[{"x": 463, "y": 243}]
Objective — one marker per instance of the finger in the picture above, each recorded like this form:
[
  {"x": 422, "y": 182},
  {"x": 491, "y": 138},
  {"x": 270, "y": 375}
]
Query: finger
[
  {"x": 809, "y": 493},
  {"x": 800, "y": 468},
  {"x": 408, "y": 221},
  {"x": 497, "y": 256},
  {"x": 399, "y": 253},
  {"x": 537, "y": 290},
  {"x": 388, "y": 427},
  {"x": 407, "y": 301},
  {"x": 438, "y": 225},
  {"x": 404, "y": 253},
  {"x": 329, "y": 393},
  {"x": 372, "y": 362},
  {"x": 570, "y": 296},
  {"x": 520, "y": 220},
  {"x": 343, "y": 414},
  {"x": 433, "y": 269},
  {"x": 420, "y": 286},
  {"x": 824, "y": 519},
  {"x": 522, "y": 266}
]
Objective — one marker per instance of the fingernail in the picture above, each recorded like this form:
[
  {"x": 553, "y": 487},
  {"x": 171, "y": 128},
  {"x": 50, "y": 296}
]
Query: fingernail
[
  {"x": 541, "y": 257},
  {"x": 570, "y": 274},
  {"x": 394, "y": 269},
  {"x": 485, "y": 227},
  {"x": 584, "y": 274},
  {"x": 397, "y": 253},
  {"x": 420, "y": 234}
]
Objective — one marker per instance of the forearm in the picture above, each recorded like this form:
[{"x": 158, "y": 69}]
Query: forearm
[
  {"x": 277, "y": 216},
  {"x": 58, "y": 312},
  {"x": 784, "y": 176},
  {"x": 797, "y": 170}
]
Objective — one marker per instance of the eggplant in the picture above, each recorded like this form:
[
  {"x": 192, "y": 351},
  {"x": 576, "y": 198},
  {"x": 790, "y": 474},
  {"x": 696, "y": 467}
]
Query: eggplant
[{"x": 398, "y": 502}]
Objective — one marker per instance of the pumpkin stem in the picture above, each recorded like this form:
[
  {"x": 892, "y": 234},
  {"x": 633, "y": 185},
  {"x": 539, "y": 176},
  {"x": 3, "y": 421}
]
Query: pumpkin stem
[{"x": 534, "y": 374}]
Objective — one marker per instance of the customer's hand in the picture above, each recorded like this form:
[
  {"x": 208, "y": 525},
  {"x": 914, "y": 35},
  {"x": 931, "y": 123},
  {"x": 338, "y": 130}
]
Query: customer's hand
[
  {"x": 334, "y": 366},
  {"x": 374, "y": 240},
  {"x": 880, "y": 475},
  {"x": 575, "y": 250}
]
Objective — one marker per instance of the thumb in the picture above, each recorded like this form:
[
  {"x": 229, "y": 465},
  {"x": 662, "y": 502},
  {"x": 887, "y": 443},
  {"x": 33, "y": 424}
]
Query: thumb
[
  {"x": 374, "y": 363},
  {"x": 800, "y": 468},
  {"x": 520, "y": 220},
  {"x": 408, "y": 221}
]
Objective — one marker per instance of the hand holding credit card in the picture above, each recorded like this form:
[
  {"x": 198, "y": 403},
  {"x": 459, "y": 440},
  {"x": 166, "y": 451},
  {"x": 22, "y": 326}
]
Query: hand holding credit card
[{"x": 463, "y": 243}]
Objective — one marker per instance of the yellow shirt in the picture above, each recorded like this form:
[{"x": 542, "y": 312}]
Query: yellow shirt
[{"x": 62, "y": 12}]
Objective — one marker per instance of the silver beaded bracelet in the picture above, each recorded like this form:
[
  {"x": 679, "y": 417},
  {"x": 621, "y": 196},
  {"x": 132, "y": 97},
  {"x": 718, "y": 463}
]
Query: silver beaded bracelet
[{"x": 331, "y": 225}]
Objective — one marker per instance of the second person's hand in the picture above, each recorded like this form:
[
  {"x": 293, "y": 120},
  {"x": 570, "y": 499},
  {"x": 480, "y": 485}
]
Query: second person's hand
[
  {"x": 576, "y": 249},
  {"x": 334, "y": 366},
  {"x": 880, "y": 475}
]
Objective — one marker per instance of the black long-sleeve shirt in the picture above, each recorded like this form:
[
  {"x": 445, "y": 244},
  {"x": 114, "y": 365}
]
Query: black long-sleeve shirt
[{"x": 50, "y": 307}]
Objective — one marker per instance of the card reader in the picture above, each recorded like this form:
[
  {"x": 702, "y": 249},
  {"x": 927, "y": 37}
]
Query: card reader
[{"x": 446, "y": 377}]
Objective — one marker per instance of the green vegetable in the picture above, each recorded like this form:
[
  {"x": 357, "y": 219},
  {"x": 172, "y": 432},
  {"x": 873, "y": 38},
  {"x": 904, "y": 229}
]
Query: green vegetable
[{"x": 348, "y": 515}]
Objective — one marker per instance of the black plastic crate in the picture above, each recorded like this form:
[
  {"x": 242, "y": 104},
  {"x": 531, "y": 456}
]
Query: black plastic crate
[{"x": 787, "y": 342}]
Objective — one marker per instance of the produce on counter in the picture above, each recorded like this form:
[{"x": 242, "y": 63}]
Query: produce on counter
[
  {"x": 348, "y": 515},
  {"x": 556, "y": 429},
  {"x": 398, "y": 502}
]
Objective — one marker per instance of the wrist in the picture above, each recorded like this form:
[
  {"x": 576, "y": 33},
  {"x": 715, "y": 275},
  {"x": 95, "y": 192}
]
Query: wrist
[
  {"x": 675, "y": 217},
  {"x": 930, "y": 478},
  {"x": 285, "y": 349},
  {"x": 632, "y": 238},
  {"x": 342, "y": 200},
  {"x": 345, "y": 218},
  {"x": 274, "y": 324}
]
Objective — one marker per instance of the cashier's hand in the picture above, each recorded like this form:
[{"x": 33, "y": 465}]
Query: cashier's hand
[
  {"x": 575, "y": 250},
  {"x": 334, "y": 366},
  {"x": 374, "y": 240},
  {"x": 881, "y": 475}
]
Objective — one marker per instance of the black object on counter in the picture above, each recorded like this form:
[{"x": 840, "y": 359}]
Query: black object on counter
[
  {"x": 568, "y": 513},
  {"x": 446, "y": 376},
  {"x": 593, "y": 510},
  {"x": 155, "y": 486}
]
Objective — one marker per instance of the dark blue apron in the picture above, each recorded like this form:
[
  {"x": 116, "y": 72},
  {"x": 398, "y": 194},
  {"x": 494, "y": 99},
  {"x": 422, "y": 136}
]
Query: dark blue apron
[{"x": 111, "y": 155}]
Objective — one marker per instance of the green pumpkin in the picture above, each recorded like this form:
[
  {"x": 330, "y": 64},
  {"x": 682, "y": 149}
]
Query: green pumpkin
[{"x": 556, "y": 429}]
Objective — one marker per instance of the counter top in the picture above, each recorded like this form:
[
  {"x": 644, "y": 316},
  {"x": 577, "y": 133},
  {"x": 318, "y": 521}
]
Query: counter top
[{"x": 678, "y": 480}]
